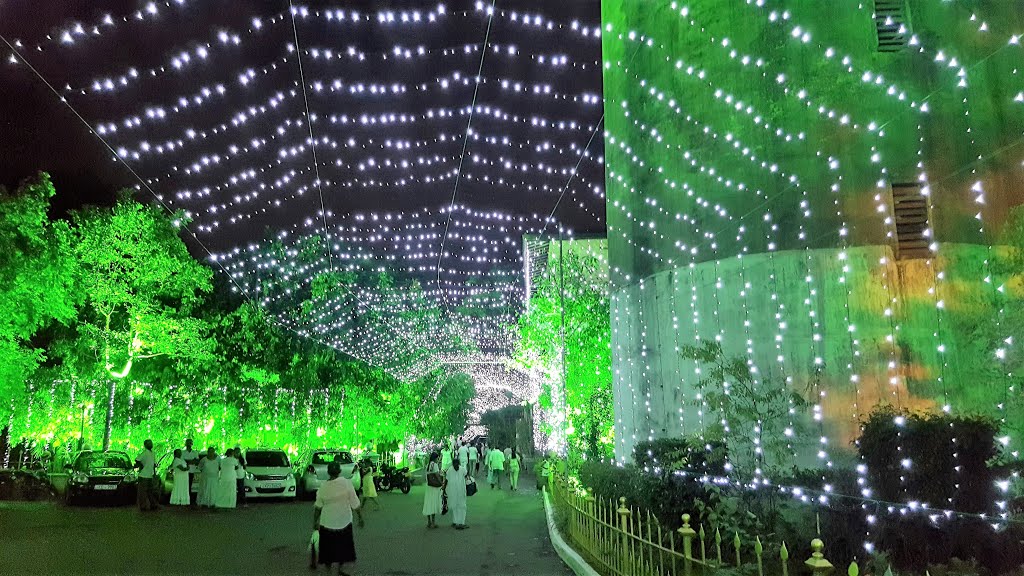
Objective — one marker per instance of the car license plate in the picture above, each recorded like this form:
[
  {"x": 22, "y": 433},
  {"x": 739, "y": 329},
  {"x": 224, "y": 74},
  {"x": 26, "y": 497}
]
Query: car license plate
[
  {"x": 272, "y": 484},
  {"x": 105, "y": 487}
]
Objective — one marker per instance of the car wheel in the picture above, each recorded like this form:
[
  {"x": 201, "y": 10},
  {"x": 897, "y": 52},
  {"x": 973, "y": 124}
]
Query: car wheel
[{"x": 406, "y": 488}]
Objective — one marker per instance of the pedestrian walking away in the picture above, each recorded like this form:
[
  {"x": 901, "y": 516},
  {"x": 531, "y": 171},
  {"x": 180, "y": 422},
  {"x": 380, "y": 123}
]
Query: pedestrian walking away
[
  {"x": 455, "y": 488},
  {"x": 432, "y": 493},
  {"x": 191, "y": 457},
  {"x": 180, "y": 491},
  {"x": 495, "y": 467},
  {"x": 515, "y": 463},
  {"x": 464, "y": 455},
  {"x": 368, "y": 486},
  {"x": 474, "y": 457},
  {"x": 146, "y": 490},
  {"x": 332, "y": 519}
]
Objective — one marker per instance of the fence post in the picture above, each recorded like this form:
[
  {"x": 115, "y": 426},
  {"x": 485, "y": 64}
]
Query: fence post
[
  {"x": 591, "y": 528},
  {"x": 703, "y": 548},
  {"x": 736, "y": 545},
  {"x": 759, "y": 552},
  {"x": 718, "y": 545},
  {"x": 624, "y": 527},
  {"x": 854, "y": 570},
  {"x": 817, "y": 563},
  {"x": 687, "y": 534},
  {"x": 784, "y": 556}
]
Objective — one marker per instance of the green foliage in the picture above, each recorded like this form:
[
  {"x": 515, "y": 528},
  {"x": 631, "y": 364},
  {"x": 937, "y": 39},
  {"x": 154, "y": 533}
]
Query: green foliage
[
  {"x": 942, "y": 458},
  {"x": 671, "y": 455},
  {"x": 501, "y": 425},
  {"x": 444, "y": 411},
  {"x": 142, "y": 344},
  {"x": 574, "y": 290},
  {"x": 140, "y": 284},
  {"x": 761, "y": 413},
  {"x": 36, "y": 280}
]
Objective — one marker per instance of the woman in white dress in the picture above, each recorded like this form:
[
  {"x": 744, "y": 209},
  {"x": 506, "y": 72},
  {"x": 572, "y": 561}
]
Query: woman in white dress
[
  {"x": 455, "y": 487},
  {"x": 227, "y": 486},
  {"x": 432, "y": 495},
  {"x": 209, "y": 477},
  {"x": 180, "y": 492}
]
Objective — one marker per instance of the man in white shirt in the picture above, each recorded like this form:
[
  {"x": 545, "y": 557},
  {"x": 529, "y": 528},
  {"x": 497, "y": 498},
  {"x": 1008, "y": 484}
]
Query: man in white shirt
[
  {"x": 146, "y": 489},
  {"x": 191, "y": 457},
  {"x": 474, "y": 458},
  {"x": 495, "y": 467}
]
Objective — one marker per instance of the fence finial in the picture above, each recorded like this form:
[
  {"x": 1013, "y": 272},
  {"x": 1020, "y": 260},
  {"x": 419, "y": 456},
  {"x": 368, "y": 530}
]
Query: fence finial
[
  {"x": 854, "y": 570},
  {"x": 687, "y": 534},
  {"x": 817, "y": 562}
]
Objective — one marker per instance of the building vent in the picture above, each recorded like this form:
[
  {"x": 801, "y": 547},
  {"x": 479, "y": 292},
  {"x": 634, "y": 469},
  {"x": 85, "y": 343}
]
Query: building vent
[
  {"x": 892, "y": 27},
  {"x": 910, "y": 208}
]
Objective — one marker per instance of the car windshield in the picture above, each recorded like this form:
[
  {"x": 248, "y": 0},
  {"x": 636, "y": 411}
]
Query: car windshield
[
  {"x": 267, "y": 459},
  {"x": 103, "y": 460},
  {"x": 328, "y": 457}
]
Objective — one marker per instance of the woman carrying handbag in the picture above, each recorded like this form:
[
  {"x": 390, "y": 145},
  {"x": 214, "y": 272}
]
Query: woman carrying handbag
[{"x": 432, "y": 499}]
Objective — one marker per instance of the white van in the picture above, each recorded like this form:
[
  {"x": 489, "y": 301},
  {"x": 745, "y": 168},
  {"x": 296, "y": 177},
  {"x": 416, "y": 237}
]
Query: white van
[{"x": 269, "y": 474}]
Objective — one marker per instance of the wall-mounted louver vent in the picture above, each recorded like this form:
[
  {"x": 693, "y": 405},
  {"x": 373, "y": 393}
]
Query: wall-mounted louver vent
[
  {"x": 910, "y": 208},
  {"x": 892, "y": 26}
]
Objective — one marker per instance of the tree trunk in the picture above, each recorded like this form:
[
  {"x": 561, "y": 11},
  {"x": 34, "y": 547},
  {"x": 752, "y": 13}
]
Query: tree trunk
[{"x": 110, "y": 415}]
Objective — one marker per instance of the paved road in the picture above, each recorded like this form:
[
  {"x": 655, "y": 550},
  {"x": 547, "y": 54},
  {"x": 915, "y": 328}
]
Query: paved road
[{"x": 507, "y": 536}]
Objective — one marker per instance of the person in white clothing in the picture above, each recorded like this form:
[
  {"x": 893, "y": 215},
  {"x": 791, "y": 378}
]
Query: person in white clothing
[
  {"x": 179, "y": 470},
  {"x": 508, "y": 459},
  {"x": 474, "y": 458},
  {"x": 146, "y": 490},
  {"x": 464, "y": 455},
  {"x": 227, "y": 484},
  {"x": 432, "y": 495},
  {"x": 209, "y": 477},
  {"x": 332, "y": 518},
  {"x": 495, "y": 467},
  {"x": 191, "y": 457},
  {"x": 455, "y": 488},
  {"x": 446, "y": 457}
]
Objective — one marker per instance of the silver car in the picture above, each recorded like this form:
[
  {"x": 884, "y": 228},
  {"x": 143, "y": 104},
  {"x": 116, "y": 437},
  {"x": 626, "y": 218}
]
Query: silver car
[{"x": 316, "y": 471}]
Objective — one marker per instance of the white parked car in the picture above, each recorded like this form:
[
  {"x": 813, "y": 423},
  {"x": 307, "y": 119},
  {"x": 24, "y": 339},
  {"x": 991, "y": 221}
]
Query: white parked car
[
  {"x": 316, "y": 471},
  {"x": 269, "y": 474}
]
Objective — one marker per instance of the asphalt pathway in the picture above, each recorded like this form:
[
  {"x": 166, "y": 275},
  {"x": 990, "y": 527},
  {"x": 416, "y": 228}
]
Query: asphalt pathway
[{"x": 507, "y": 536}]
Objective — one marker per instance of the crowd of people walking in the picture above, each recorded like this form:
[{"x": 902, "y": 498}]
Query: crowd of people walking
[{"x": 451, "y": 478}]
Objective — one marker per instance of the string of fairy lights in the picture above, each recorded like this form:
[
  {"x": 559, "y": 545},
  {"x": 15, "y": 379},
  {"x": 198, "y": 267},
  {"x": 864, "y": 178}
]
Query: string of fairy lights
[
  {"x": 233, "y": 172},
  {"x": 376, "y": 135},
  {"x": 625, "y": 183}
]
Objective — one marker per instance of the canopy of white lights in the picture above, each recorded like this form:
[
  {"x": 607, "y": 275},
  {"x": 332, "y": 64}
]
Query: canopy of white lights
[{"x": 420, "y": 141}]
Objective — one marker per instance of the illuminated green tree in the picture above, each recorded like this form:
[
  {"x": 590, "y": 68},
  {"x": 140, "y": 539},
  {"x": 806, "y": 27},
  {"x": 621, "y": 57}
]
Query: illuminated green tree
[
  {"x": 566, "y": 334},
  {"x": 36, "y": 280},
  {"x": 140, "y": 285}
]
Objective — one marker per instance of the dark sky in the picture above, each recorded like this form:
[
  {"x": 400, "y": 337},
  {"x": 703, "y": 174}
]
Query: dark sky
[{"x": 42, "y": 134}]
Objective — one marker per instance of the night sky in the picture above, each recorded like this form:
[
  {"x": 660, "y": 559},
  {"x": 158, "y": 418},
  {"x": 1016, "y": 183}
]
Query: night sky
[{"x": 42, "y": 134}]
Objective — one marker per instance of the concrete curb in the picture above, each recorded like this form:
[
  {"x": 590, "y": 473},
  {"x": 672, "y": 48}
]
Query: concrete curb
[{"x": 568, "y": 555}]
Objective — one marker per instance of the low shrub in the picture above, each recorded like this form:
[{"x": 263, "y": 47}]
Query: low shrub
[{"x": 668, "y": 455}]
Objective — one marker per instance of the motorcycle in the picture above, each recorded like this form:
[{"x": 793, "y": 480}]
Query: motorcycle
[{"x": 391, "y": 477}]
